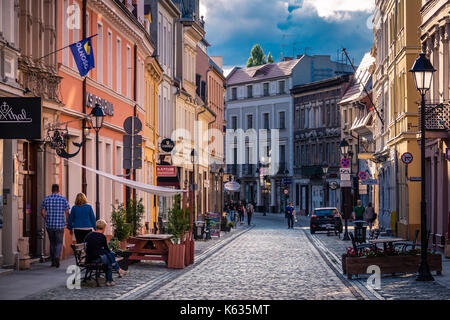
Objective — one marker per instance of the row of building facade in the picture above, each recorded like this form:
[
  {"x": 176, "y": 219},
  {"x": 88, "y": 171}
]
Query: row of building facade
[
  {"x": 315, "y": 103},
  {"x": 151, "y": 62}
]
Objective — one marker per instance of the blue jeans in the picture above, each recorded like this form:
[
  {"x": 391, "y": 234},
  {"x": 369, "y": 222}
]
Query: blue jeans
[
  {"x": 109, "y": 260},
  {"x": 56, "y": 237}
]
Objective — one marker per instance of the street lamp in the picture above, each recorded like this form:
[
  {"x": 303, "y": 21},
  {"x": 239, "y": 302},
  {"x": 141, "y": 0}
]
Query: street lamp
[
  {"x": 344, "y": 151},
  {"x": 423, "y": 75},
  {"x": 97, "y": 117},
  {"x": 193, "y": 157},
  {"x": 325, "y": 171},
  {"x": 221, "y": 173}
]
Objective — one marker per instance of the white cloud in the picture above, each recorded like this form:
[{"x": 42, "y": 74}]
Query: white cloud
[{"x": 338, "y": 9}]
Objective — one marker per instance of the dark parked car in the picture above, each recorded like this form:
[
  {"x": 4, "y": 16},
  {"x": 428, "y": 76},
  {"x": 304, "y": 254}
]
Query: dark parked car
[{"x": 325, "y": 219}]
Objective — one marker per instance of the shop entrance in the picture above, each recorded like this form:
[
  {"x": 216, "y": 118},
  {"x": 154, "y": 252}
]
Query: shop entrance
[{"x": 30, "y": 208}]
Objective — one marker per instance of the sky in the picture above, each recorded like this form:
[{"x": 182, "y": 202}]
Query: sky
[{"x": 311, "y": 26}]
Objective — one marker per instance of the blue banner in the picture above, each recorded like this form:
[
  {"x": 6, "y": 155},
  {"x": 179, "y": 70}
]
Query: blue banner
[{"x": 83, "y": 53}]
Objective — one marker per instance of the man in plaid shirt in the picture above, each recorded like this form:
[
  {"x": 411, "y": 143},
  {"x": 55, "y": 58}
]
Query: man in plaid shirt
[{"x": 55, "y": 208}]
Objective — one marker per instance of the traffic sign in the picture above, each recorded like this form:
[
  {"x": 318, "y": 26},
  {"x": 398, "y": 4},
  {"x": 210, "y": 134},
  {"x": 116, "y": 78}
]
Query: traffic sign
[
  {"x": 132, "y": 125},
  {"x": 415, "y": 179},
  {"x": 345, "y": 177},
  {"x": 346, "y": 183},
  {"x": 334, "y": 185},
  {"x": 345, "y": 163},
  {"x": 344, "y": 170},
  {"x": 369, "y": 181},
  {"x": 286, "y": 181},
  {"x": 286, "y": 191},
  {"x": 362, "y": 175},
  {"x": 407, "y": 158}
]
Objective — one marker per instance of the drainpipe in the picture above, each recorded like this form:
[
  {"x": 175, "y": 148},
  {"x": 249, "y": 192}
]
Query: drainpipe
[
  {"x": 84, "y": 122},
  {"x": 397, "y": 208}
]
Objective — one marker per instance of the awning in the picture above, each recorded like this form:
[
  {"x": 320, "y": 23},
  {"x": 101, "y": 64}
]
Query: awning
[
  {"x": 168, "y": 182},
  {"x": 159, "y": 191}
]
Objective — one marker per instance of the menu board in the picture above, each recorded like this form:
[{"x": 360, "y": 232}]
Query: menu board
[{"x": 213, "y": 223}]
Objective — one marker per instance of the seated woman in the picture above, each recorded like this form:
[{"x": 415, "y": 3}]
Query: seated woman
[{"x": 97, "y": 251}]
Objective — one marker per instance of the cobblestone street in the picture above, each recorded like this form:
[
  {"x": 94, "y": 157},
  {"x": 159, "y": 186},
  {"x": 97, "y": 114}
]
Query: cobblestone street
[{"x": 268, "y": 262}]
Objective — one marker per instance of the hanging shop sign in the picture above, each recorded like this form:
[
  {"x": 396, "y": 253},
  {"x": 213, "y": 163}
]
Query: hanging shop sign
[
  {"x": 166, "y": 171},
  {"x": 92, "y": 100},
  {"x": 20, "y": 118},
  {"x": 232, "y": 186},
  {"x": 167, "y": 145}
]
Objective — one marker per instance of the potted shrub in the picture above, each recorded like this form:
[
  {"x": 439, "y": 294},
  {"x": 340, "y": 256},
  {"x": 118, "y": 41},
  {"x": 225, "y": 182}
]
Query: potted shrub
[
  {"x": 230, "y": 224},
  {"x": 178, "y": 225},
  {"x": 134, "y": 214},
  {"x": 121, "y": 228}
]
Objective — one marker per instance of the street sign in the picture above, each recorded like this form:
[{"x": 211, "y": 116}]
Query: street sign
[
  {"x": 334, "y": 185},
  {"x": 345, "y": 177},
  {"x": 346, "y": 183},
  {"x": 131, "y": 123},
  {"x": 407, "y": 158},
  {"x": 370, "y": 181},
  {"x": 362, "y": 175},
  {"x": 344, "y": 170},
  {"x": 167, "y": 145},
  {"x": 415, "y": 179},
  {"x": 287, "y": 181},
  {"x": 345, "y": 163}
]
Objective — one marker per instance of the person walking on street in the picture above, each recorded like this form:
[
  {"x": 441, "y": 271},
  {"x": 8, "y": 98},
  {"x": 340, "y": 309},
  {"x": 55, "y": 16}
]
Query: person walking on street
[
  {"x": 250, "y": 211},
  {"x": 358, "y": 211},
  {"x": 241, "y": 211},
  {"x": 81, "y": 218},
  {"x": 370, "y": 215},
  {"x": 54, "y": 210},
  {"x": 290, "y": 215}
]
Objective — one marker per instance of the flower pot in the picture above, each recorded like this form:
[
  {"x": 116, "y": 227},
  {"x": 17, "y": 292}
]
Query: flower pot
[
  {"x": 176, "y": 256},
  {"x": 390, "y": 264}
]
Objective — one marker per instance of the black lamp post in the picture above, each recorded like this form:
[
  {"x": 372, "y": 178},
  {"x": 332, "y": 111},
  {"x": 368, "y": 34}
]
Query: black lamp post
[
  {"x": 221, "y": 173},
  {"x": 344, "y": 191},
  {"x": 193, "y": 158},
  {"x": 423, "y": 75},
  {"x": 325, "y": 196},
  {"x": 97, "y": 117}
]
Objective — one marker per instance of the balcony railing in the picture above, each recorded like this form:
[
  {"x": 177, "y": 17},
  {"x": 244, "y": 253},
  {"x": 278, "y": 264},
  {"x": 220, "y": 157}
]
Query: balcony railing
[
  {"x": 232, "y": 169},
  {"x": 437, "y": 116}
]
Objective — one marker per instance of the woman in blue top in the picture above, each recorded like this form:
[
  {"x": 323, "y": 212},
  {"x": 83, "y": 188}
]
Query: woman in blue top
[{"x": 81, "y": 218}]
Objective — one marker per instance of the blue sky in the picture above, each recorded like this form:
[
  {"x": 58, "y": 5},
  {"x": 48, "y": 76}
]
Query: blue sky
[{"x": 319, "y": 26}]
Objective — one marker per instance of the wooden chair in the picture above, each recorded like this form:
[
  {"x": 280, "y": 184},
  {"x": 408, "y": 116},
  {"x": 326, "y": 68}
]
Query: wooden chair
[{"x": 360, "y": 247}]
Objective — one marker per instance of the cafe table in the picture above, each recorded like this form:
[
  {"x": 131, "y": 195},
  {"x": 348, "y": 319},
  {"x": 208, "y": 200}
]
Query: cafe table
[
  {"x": 150, "y": 247},
  {"x": 387, "y": 242}
]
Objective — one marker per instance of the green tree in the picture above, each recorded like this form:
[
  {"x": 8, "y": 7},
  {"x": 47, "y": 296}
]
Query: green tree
[
  {"x": 178, "y": 221},
  {"x": 135, "y": 213},
  {"x": 270, "y": 58},
  {"x": 257, "y": 57}
]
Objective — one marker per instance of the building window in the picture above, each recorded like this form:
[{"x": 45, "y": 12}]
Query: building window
[
  {"x": 234, "y": 94},
  {"x": 234, "y": 123},
  {"x": 266, "y": 89},
  {"x": 100, "y": 53},
  {"x": 249, "y": 121},
  {"x": 110, "y": 62},
  {"x": 128, "y": 72},
  {"x": 266, "y": 121},
  {"x": 119, "y": 66},
  {"x": 283, "y": 120},
  {"x": 250, "y": 91},
  {"x": 281, "y": 87}
]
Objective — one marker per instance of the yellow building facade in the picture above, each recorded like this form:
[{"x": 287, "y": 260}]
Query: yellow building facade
[
  {"x": 153, "y": 77},
  {"x": 397, "y": 45}
]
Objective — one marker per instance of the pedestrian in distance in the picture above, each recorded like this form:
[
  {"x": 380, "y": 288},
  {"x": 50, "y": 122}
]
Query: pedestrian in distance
[
  {"x": 54, "y": 210},
  {"x": 358, "y": 211},
  {"x": 290, "y": 215},
  {"x": 81, "y": 218},
  {"x": 250, "y": 211},
  {"x": 97, "y": 251},
  {"x": 369, "y": 215},
  {"x": 241, "y": 211}
]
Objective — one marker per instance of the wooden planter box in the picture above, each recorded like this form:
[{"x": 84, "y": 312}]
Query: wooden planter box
[
  {"x": 176, "y": 256},
  {"x": 189, "y": 254},
  {"x": 390, "y": 264}
]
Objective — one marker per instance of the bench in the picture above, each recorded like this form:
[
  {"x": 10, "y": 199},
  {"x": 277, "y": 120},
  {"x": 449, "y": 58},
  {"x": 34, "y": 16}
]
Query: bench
[{"x": 90, "y": 269}]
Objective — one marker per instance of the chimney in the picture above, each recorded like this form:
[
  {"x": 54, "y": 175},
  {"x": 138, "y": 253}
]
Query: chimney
[{"x": 288, "y": 59}]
